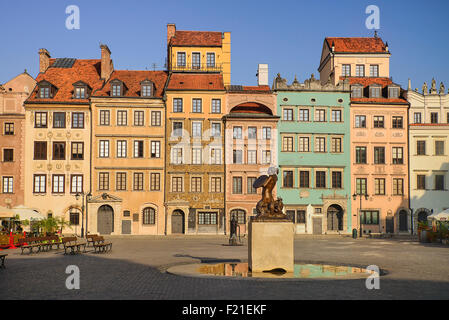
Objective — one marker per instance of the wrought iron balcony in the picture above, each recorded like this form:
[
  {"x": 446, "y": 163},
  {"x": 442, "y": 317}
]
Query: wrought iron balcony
[{"x": 195, "y": 67}]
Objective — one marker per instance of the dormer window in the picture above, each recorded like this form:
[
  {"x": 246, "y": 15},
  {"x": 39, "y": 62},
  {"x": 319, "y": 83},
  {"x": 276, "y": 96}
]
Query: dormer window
[
  {"x": 117, "y": 88},
  {"x": 146, "y": 88},
  {"x": 393, "y": 92},
  {"x": 375, "y": 91},
  {"x": 46, "y": 90},
  {"x": 357, "y": 91},
  {"x": 81, "y": 90}
]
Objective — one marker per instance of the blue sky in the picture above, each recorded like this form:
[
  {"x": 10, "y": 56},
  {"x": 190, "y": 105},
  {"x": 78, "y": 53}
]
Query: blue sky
[{"x": 288, "y": 34}]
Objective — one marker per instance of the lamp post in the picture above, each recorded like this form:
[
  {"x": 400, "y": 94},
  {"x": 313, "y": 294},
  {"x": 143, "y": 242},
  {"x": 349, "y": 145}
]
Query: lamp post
[
  {"x": 354, "y": 196},
  {"x": 88, "y": 198}
]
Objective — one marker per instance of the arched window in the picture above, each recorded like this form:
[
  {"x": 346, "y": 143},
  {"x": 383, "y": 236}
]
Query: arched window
[
  {"x": 240, "y": 215},
  {"x": 149, "y": 216}
]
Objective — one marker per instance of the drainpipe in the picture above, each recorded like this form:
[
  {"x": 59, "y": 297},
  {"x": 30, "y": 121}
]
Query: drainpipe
[{"x": 224, "y": 175}]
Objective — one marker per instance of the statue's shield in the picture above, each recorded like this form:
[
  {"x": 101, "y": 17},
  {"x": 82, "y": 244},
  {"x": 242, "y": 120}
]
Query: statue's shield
[{"x": 260, "y": 181}]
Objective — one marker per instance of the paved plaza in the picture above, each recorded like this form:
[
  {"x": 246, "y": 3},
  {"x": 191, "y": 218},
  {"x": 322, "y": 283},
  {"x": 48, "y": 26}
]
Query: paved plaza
[{"x": 135, "y": 269}]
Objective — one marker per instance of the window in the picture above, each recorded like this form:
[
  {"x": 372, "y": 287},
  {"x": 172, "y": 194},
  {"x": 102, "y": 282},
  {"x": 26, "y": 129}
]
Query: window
[
  {"x": 105, "y": 117},
  {"x": 374, "y": 91},
  {"x": 421, "y": 148},
  {"x": 139, "y": 118},
  {"x": 149, "y": 216},
  {"x": 181, "y": 60},
  {"x": 250, "y": 182},
  {"x": 447, "y": 117},
  {"x": 360, "y": 70},
  {"x": 239, "y": 215},
  {"x": 439, "y": 148},
  {"x": 320, "y": 179},
  {"x": 80, "y": 93},
  {"x": 336, "y": 145},
  {"x": 379, "y": 186},
  {"x": 176, "y": 156},
  {"x": 138, "y": 149},
  {"x": 398, "y": 155},
  {"x": 177, "y": 105},
  {"x": 77, "y": 120},
  {"x": 77, "y": 151},
  {"x": 304, "y": 144},
  {"x": 146, "y": 89},
  {"x": 320, "y": 115},
  {"x": 379, "y": 155},
  {"x": 210, "y": 60},
  {"x": 58, "y": 183},
  {"x": 287, "y": 144},
  {"x": 237, "y": 132},
  {"x": 177, "y": 184},
  {"x": 369, "y": 217},
  {"x": 336, "y": 116},
  {"x": 215, "y": 156},
  {"x": 398, "y": 187},
  {"x": 104, "y": 149},
  {"x": 9, "y": 129},
  {"x": 378, "y": 121},
  {"x": 155, "y": 181},
  {"x": 288, "y": 179},
  {"x": 356, "y": 91},
  {"x": 58, "y": 150},
  {"x": 216, "y": 129},
  {"x": 360, "y": 155},
  {"x": 40, "y": 183},
  {"x": 252, "y": 133},
  {"x": 138, "y": 181},
  {"x": 122, "y": 118},
  {"x": 361, "y": 186},
  {"x": 237, "y": 185},
  {"x": 216, "y": 105},
  {"x": 197, "y": 129},
  {"x": 393, "y": 92},
  {"x": 155, "y": 149},
  {"x": 215, "y": 184},
  {"x": 237, "y": 156},
  {"x": 207, "y": 218},
  {"x": 76, "y": 184},
  {"x": 197, "y": 105},
  {"x": 421, "y": 182},
  {"x": 336, "y": 180},
  {"x": 195, "y": 185},
  {"x": 288, "y": 115},
  {"x": 434, "y": 117},
  {"x": 58, "y": 119},
  {"x": 8, "y": 155},
  {"x": 121, "y": 149},
  {"x": 360, "y": 121},
  {"x": 439, "y": 182},
  {"x": 374, "y": 70},
  {"x": 7, "y": 184},
  {"x": 397, "y": 122},
  {"x": 40, "y": 119},
  {"x": 304, "y": 179},
  {"x": 417, "y": 117},
  {"x": 300, "y": 216},
  {"x": 304, "y": 115},
  {"x": 320, "y": 144},
  {"x": 196, "y": 156},
  {"x": 40, "y": 150},
  {"x": 177, "y": 129},
  {"x": 346, "y": 70},
  {"x": 156, "y": 118},
  {"x": 74, "y": 218},
  {"x": 120, "y": 182},
  {"x": 196, "y": 60},
  {"x": 44, "y": 92},
  {"x": 103, "y": 181},
  {"x": 252, "y": 157},
  {"x": 116, "y": 89},
  {"x": 266, "y": 157}
]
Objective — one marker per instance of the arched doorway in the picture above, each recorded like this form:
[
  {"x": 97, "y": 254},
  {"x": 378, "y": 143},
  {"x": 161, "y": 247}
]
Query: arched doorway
[
  {"x": 335, "y": 218},
  {"x": 177, "y": 222},
  {"x": 105, "y": 220},
  {"x": 403, "y": 225},
  {"x": 422, "y": 215}
]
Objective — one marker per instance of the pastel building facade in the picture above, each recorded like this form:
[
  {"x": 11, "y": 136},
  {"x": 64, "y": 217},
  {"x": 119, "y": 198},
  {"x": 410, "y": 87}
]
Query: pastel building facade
[
  {"x": 313, "y": 148},
  {"x": 428, "y": 147}
]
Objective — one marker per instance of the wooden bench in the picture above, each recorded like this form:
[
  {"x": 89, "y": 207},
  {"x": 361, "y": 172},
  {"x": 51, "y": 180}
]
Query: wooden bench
[
  {"x": 41, "y": 243},
  {"x": 100, "y": 246},
  {"x": 2, "y": 260},
  {"x": 91, "y": 239},
  {"x": 73, "y": 244}
]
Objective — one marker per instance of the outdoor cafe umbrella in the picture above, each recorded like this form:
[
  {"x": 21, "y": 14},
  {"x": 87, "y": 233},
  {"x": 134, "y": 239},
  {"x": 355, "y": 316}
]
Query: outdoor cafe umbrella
[
  {"x": 27, "y": 213},
  {"x": 6, "y": 213},
  {"x": 440, "y": 216}
]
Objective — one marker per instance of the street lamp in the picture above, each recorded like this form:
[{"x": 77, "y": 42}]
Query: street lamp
[
  {"x": 354, "y": 196},
  {"x": 88, "y": 198}
]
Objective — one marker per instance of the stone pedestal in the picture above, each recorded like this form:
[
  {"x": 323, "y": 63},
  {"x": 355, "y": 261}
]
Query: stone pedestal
[{"x": 270, "y": 245}]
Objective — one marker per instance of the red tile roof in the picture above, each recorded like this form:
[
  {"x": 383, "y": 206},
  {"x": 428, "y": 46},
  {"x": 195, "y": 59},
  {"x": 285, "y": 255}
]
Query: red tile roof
[
  {"x": 182, "y": 81},
  {"x": 357, "y": 45},
  {"x": 429, "y": 124},
  {"x": 85, "y": 70},
  {"x": 132, "y": 80},
  {"x": 366, "y": 82},
  {"x": 197, "y": 38}
]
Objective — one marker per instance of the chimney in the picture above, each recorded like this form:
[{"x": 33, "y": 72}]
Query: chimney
[
  {"x": 262, "y": 75},
  {"x": 44, "y": 60},
  {"x": 333, "y": 46},
  {"x": 171, "y": 30},
  {"x": 106, "y": 63}
]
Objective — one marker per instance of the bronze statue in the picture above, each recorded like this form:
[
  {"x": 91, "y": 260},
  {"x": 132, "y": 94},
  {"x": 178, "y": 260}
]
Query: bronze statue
[{"x": 268, "y": 208}]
